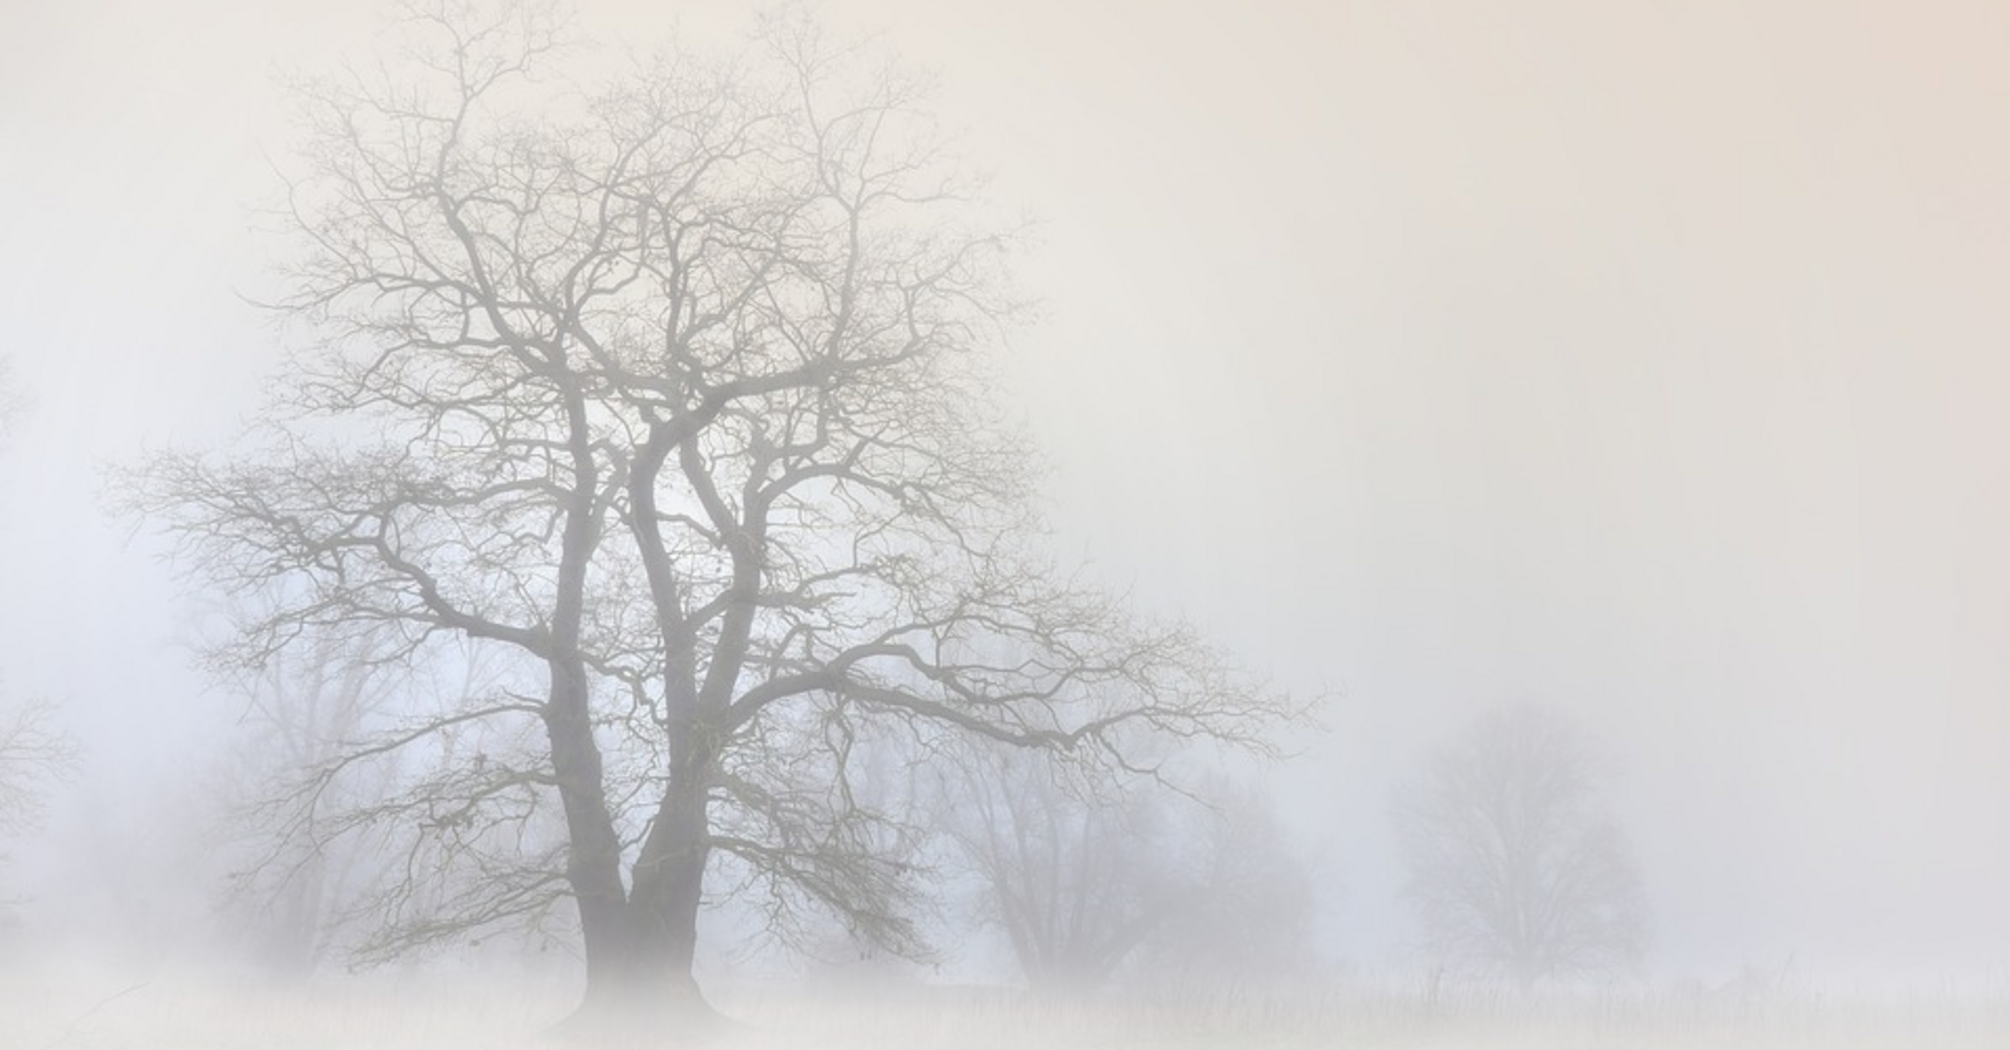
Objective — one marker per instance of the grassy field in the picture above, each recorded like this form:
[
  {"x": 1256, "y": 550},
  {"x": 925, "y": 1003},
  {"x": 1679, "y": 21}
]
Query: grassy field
[{"x": 50, "y": 1009}]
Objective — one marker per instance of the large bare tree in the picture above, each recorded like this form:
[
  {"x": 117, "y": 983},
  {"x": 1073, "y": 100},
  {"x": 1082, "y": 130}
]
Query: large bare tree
[
  {"x": 673, "y": 388},
  {"x": 1515, "y": 871}
]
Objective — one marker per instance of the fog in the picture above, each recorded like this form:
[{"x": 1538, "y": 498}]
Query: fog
[{"x": 1637, "y": 362}]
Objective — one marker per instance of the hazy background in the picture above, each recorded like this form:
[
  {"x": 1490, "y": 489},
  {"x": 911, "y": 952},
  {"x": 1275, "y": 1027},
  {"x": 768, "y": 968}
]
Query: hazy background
[{"x": 1648, "y": 360}]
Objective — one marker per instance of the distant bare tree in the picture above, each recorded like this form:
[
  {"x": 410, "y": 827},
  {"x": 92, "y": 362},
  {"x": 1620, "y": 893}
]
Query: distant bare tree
[
  {"x": 1088, "y": 878},
  {"x": 33, "y": 754},
  {"x": 10, "y": 396},
  {"x": 1253, "y": 916},
  {"x": 303, "y": 709},
  {"x": 300, "y": 879},
  {"x": 888, "y": 783},
  {"x": 671, "y": 390},
  {"x": 340, "y": 844},
  {"x": 1514, "y": 870},
  {"x": 1077, "y": 874}
]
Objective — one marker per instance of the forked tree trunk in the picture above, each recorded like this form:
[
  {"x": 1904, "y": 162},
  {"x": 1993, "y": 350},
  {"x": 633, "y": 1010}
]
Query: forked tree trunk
[
  {"x": 640, "y": 942},
  {"x": 668, "y": 888},
  {"x": 593, "y": 855},
  {"x": 669, "y": 874}
]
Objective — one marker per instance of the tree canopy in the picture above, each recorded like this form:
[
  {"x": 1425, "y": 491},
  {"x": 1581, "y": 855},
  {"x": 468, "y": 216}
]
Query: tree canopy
[{"x": 674, "y": 390}]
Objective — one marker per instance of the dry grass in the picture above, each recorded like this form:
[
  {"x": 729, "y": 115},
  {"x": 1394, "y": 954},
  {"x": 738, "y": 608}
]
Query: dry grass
[{"x": 58, "y": 1010}]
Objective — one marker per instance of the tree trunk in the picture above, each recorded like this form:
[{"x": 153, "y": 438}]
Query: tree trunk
[
  {"x": 641, "y": 945},
  {"x": 670, "y": 873},
  {"x": 593, "y": 855}
]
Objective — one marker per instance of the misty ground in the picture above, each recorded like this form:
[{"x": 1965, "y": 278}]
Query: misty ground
[{"x": 57, "y": 1006}]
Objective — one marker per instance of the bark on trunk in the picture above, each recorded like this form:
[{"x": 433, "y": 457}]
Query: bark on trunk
[
  {"x": 670, "y": 872},
  {"x": 640, "y": 945},
  {"x": 593, "y": 856}
]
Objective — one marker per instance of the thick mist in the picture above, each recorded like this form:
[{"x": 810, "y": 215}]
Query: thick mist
[{"x": 1637, "y": 364}]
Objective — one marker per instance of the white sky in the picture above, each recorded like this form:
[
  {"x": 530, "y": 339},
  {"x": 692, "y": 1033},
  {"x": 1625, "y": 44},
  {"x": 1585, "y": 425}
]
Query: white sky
[{"x": 1647, "y": 359}]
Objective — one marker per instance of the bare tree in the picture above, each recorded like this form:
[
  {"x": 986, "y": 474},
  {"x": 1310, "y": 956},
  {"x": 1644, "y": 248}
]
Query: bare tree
[
  {"x": 1252, "y": 919},
  {"x": 34, "y": 751},
  {"x": 673, "y": 389},
  {"x": 10, "y": 396},
  {"x": 305, "y": 872},
  {"x": 33, "y": 754},
  {"x": 1090, "y": 878},
  {"x": 888, "y": 778},
  {"x": 1514, "y": 870},
  {"x": 302, "y": 709},
  {"x": 1076, "y": 873}
]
